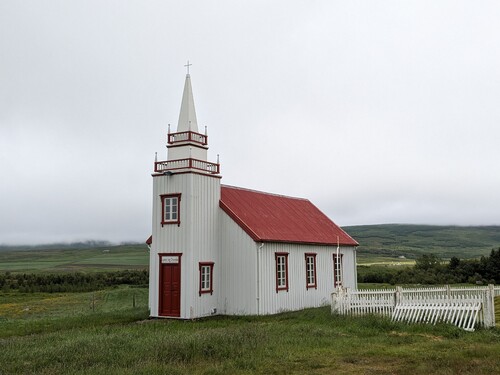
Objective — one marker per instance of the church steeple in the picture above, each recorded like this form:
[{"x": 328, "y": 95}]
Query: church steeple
[
  {"x": 187, "y": 148},
  {"x": 187, "y": 116}
]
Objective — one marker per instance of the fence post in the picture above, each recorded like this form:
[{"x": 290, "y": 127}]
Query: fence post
[
  {"x": 492, "y": 296},
  {"x": 488, "y": 308},
  {"x": 448, "y": 291},
  {"x": 397, "y": 295},
  {"x": 335, "y": 301}
]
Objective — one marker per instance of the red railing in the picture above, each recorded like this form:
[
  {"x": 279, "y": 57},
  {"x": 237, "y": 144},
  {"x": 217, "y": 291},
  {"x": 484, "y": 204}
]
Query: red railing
[
  {"x": 188, "y": 136},
  {"x": 201, "y": 165}
]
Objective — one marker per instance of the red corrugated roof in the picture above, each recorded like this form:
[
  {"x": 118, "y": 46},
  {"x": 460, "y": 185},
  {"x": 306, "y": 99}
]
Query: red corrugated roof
[{"x": 276, "y": 218}]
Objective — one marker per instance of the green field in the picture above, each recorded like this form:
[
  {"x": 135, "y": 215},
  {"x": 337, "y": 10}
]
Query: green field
[
  {"x": 68, "y": 259},
  {"x": 61, "y": 334}
]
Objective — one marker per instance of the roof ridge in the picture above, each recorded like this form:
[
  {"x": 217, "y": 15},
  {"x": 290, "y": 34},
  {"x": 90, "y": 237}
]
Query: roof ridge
[{"x": 264, "y": 192}]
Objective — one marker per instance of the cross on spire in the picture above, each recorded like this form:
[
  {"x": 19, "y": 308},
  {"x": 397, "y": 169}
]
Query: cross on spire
[{"x": 187, "y": 66}]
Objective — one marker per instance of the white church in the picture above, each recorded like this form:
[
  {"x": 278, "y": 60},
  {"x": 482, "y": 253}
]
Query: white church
[{"x": 218, "y": 249}]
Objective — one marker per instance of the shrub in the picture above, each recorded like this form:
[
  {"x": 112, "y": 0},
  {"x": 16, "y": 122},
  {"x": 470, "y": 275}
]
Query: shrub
[{"x": 71, "y": 282}]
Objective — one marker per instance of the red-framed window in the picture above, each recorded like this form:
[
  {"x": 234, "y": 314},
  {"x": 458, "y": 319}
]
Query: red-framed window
[
  {"x": 338, "y": 272},
  {"x": 170, "y": 209},
  {"x": 281, "y": 271},
  {"x": 311, "y": 271},
  {"x": 206, "y": 277}
]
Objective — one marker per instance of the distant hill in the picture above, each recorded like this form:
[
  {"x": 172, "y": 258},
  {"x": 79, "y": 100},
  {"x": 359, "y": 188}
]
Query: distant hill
[
  {"x": 411, "y": 241},
  {"x": 382, "y": 241}
]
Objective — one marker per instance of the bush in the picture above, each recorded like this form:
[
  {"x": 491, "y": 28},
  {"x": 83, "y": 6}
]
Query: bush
[
  {"x": 429, "y": 269},
  {"x": 71, "y": 282}
]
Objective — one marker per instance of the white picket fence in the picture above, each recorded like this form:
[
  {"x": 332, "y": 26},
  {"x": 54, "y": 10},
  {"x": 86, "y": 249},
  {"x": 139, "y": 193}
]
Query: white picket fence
[
  {"x": 462, "y": 311},
  {"x": 464, "y": 307}
]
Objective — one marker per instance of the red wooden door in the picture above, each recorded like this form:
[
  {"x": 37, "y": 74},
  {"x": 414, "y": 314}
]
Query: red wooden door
[{"x": 170, "y": 287}]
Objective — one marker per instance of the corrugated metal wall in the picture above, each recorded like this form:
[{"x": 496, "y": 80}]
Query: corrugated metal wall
[
  {"x": 238, "y": 278},
  {"x": 196, "y": 238},
  {"x": 246, "y": 291},
  {"x": 349, "y": 267},
  {"x": 298, "y": 296}
]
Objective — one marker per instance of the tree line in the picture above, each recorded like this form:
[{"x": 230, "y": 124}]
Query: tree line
[
  {"x": 430, "y": 269},
  {"x": 70, "y": 282}
]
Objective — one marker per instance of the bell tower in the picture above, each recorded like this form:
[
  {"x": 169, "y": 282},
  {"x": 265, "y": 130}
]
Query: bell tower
[{"x": 184, "y": 260}]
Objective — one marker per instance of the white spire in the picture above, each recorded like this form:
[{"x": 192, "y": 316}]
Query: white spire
[{"x": 187, "y": 117}]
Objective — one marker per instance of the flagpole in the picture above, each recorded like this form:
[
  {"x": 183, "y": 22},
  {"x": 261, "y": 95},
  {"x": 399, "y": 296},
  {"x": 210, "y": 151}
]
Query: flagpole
[{"x": 338, "y": 263}]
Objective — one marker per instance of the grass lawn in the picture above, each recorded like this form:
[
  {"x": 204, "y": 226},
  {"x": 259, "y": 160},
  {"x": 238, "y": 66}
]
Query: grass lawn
[
  {"x": 61, "y": 334},
  {"x": 30, "y": 313}
]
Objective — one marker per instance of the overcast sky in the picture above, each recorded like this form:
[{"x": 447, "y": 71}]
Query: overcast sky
[{"x": 376, "y": 111}]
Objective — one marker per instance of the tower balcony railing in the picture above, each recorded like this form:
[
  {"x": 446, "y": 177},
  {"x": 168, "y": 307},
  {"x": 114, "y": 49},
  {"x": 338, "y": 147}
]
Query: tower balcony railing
[
  {"x": 189, "y": 163},
  {"x": 187, "y": 136}
]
